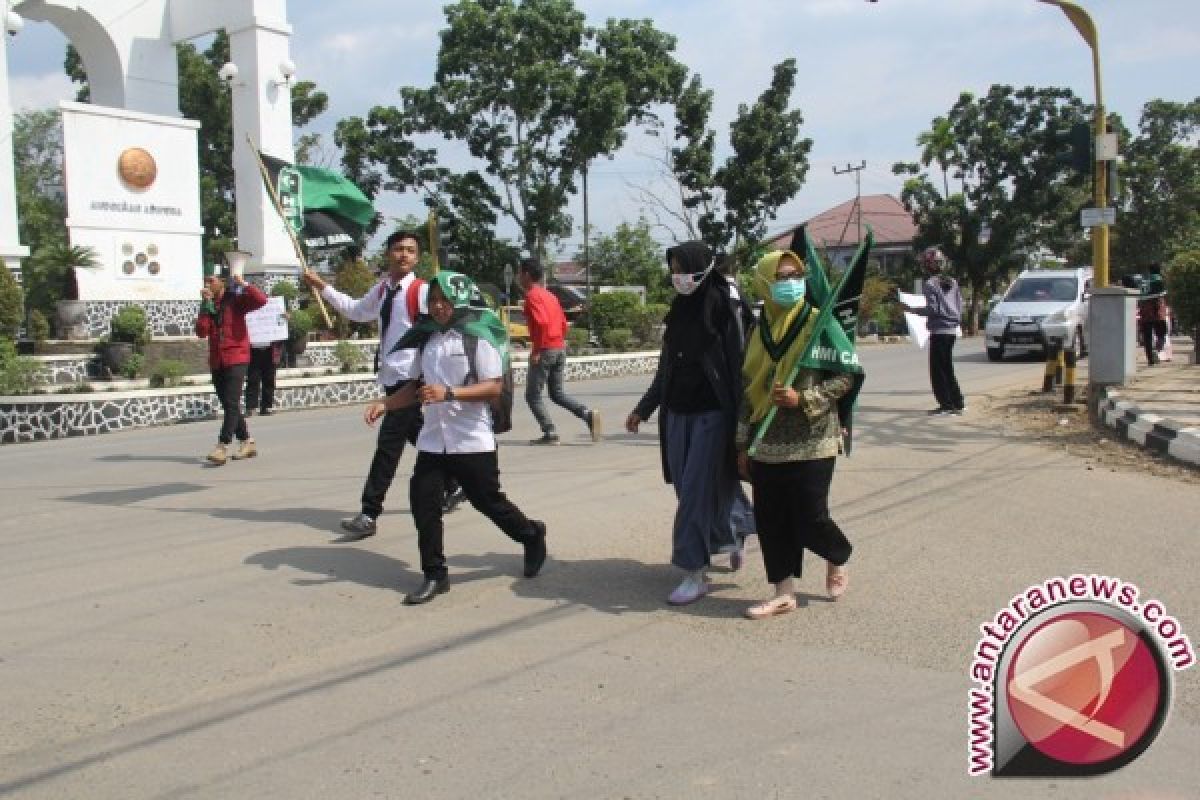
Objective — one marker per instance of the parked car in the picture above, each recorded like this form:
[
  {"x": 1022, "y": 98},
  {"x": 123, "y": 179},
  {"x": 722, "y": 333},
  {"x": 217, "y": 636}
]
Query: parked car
[
  {"x": 572, "y": 300},
  {"x": 1041, "y": 305}
]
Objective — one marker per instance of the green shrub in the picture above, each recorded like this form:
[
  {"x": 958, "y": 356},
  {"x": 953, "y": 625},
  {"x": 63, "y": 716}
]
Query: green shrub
[
  {"x": 39, "y": 326},
  {"x": 646, "y": 322},
  {"x": 167, "y": 373},
  {"x": 133, "y": 366},
  {"x": 129, "y": 325},
  {"x": 1183, "y": 289},
  {"x": 613, "y": 310},
  {"x": 12, "y": 303},
  {"x": 17, "y": 373},
  {"x": 287, "y": 290},
  {"x": 350, "y": 354},
  {"x": 577, "y": 337},
  {"x": 300, "y": 324},
  {"x": 617, "y": 339}
]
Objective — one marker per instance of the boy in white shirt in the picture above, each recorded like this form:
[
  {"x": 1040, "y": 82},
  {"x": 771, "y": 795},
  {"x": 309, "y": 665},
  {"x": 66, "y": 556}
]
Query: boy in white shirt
[{"x": 456, "y": 440}]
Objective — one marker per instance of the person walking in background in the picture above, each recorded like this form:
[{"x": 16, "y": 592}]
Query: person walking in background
[
  {"x": 548, "y": 356},
  {"x": 1152, "y": 315},
  {"x": 225, "y": 301},
  {"x": 456, "y": 371},
  {"x": 792, "y": 467},
  {"x": 394, "y": 302},
  {"x": 943, "y": 315},
  {"x": 698, "y": 385},
  {"x": 260, "y": 377}
]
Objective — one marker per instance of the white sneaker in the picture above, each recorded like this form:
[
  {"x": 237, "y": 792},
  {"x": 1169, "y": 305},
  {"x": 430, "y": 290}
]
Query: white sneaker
[{"x": 693, "y": 587}]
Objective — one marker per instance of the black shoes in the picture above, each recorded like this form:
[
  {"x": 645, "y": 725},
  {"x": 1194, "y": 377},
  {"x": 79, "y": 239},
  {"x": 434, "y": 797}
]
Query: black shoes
[
  {"x": 535, "y": 549},
  {"x": 453, "y": 500},
  {"x": 266, "y": 412},
  {"x": 546, "y": 439},
  {"x": 358, "y": 527},
  {"x": 429, "y": 589}
]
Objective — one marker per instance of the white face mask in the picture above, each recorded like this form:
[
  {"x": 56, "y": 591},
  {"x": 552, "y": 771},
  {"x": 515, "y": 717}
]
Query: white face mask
[{"x": 688, "y": 282}]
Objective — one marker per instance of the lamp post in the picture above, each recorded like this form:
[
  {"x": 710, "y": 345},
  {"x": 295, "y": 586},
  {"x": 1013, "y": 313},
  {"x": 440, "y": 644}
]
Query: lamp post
[{"x": 1087, "y": 29}]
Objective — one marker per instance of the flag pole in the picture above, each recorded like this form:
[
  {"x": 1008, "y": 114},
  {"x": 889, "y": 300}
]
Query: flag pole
[{"x": 266, "y": 178}]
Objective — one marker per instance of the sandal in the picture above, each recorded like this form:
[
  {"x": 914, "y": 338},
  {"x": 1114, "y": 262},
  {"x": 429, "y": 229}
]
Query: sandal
[
  {"x": 836, "y": 581},
  {"x": 770, "y": 608}
]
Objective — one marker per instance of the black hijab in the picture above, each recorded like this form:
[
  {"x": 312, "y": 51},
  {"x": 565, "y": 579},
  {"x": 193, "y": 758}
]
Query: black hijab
[{"x": 696, "y": 319}]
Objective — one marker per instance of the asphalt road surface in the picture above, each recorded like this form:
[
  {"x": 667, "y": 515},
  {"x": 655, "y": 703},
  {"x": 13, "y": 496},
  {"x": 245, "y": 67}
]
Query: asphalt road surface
[{"x": 173, "y": 630}]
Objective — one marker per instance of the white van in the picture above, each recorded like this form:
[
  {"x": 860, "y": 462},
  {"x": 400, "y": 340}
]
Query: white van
[{"x": 1041, "y": 304}]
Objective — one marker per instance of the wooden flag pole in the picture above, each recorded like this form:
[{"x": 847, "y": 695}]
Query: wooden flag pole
[{"x": 266, "y": 178}]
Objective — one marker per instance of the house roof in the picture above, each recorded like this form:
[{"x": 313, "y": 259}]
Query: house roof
[{"x": 893, "y": 225}]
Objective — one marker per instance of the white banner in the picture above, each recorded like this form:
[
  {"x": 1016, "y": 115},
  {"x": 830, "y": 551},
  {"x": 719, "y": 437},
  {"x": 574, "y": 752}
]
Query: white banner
[
  {"x": 918, "y": 329},
  {"x": 268, "y": 324}
]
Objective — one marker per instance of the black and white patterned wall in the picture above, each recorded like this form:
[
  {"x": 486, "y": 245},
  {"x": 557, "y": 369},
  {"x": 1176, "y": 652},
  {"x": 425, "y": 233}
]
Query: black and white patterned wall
[{"x": 39, "y": 417}]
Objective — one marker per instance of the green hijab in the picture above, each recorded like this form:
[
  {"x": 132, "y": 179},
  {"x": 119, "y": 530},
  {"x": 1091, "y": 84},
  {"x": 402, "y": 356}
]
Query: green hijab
[{"x": 470, "y": 317}]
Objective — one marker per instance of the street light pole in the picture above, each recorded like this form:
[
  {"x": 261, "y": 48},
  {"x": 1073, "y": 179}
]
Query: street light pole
[{"x": 1087, "y": 29}]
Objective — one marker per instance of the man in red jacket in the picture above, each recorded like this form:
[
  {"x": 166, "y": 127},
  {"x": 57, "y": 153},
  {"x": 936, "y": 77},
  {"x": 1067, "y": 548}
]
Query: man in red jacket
[
  {"x": 222, "y": 321},
  {"x": 548, "y": 358}
]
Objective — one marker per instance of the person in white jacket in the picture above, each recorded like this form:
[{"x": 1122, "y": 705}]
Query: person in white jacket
[{"x": 394, "y": 302}]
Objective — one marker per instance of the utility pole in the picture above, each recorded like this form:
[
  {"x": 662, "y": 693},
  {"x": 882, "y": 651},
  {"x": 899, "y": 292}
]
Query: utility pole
[
  {"x": 587, "y": 259},
  {"x": 857, "y": 196}
]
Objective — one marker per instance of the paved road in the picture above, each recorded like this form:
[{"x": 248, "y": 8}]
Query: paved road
[{"x": 170, "y": 630}]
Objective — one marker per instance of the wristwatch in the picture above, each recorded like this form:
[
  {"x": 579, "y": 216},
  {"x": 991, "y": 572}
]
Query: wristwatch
[{"x": 449, "y": 394}]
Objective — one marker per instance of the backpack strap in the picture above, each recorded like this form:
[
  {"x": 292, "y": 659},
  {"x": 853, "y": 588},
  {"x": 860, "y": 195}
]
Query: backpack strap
[{"x": 471, "y": 346}]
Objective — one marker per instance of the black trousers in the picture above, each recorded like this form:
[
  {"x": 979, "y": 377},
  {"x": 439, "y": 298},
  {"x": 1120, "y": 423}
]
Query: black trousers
[
  {"x": 228, "y": 383},
  {"x": 941, "y": 371},
  {"x": 261, "y": 375},
  {"x": 479, "y": 475},
  {"x": 1154, "y": 337},
  {"x": 396, "y": 428},
  {"x": 791, "y": 511}
]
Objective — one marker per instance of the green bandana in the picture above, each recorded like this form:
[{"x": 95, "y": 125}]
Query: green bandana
[{"x": 468, "y": 319}]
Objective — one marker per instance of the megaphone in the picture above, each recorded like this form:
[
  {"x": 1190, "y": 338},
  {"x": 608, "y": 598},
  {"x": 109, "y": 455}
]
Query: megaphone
[{"x": 237, "y": 260}]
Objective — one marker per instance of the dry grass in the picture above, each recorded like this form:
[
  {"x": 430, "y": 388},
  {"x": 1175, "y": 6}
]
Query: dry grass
[{"x": 1041, "y": 418}]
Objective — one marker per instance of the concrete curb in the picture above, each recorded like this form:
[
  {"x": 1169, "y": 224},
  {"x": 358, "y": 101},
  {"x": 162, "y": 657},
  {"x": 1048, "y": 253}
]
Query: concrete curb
[{"x": 1156, "y": 433}]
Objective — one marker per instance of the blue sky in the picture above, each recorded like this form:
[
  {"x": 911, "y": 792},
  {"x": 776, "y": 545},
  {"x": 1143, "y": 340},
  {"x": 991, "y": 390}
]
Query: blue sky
[{"x": 872, "y": 75}]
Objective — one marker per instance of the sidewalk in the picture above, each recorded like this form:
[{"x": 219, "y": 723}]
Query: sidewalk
[{"x": 1160, "y": 408}]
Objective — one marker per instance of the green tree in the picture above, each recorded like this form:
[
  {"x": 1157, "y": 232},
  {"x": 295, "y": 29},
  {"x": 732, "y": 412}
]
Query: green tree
[
  {"x": 49, "y": 274},
  {"x": 1002, "y": 148},
  {"x": 12, "y": 306},
  {"x": 535, "y": 94},
  {"x": 629, "y": 256},
  {"x": 37, "y": 157},
  {"x": 1160, "y": 178},
  {"x": 204, "y": 97},
  {"x": 734, "y": 202}
]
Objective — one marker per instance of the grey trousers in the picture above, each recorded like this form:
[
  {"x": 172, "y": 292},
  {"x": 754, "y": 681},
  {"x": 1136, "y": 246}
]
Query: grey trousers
[
  {"x": 548, "y": 373},
  {"x": 705, "y": 481}
]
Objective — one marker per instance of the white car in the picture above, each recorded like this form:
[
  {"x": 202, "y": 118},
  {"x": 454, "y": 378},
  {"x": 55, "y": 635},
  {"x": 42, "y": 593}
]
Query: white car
[{"x": 1041, "y": 305}]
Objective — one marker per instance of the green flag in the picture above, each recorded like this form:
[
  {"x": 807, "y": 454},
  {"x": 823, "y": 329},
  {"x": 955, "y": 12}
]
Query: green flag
[{"x": 831, "y": 346}]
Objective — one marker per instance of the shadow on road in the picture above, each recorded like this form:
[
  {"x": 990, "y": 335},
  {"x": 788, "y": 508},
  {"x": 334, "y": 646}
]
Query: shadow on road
[
  {"x": 126, "y": 458},
  {"x": 123, "y": 497}
]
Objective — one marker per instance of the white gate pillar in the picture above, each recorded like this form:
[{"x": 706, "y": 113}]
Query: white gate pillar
[{"x": 11, "y": 249}]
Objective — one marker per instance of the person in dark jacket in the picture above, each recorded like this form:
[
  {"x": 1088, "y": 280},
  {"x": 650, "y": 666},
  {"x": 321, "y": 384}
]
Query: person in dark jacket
[
  {"x": 225, "y": 301},
  {"x": 698, "y": 385},
  {"x": 943, "y": 315}
]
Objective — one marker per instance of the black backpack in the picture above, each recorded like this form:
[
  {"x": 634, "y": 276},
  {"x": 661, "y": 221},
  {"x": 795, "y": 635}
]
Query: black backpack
[{"x": 501, "y": 406}]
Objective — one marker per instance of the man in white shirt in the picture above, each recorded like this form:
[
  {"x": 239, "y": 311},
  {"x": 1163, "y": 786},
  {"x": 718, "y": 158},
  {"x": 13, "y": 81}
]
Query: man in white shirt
[
  {"x": 457, "y": 372},
  {"x": 395, "y": 303}
]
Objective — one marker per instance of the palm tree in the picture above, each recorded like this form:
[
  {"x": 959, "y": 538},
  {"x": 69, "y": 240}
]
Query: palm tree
[{"x": 938, "y": 145}]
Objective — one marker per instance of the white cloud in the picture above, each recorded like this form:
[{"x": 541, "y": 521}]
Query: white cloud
[{"x": 35, "y": 92}]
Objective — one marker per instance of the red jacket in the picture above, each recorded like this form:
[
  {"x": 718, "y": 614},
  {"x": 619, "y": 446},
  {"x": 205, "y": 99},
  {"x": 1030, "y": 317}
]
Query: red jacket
[
  {"x": 228, "y": 342},
  {"x": 546, "y": 320}
]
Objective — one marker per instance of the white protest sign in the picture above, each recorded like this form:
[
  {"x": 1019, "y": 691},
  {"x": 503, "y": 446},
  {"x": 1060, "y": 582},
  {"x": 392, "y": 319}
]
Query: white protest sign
[
  {"x": 268, "y": 324},
  {"x": 918, "y": 329}
]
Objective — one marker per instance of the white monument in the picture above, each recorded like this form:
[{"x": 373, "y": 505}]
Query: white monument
[{"x": 132, "y": 132}]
